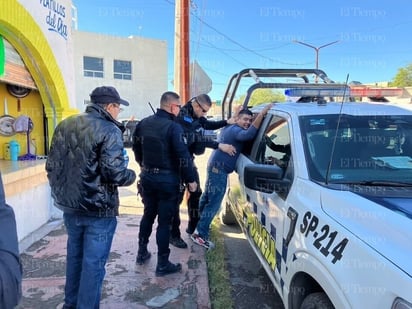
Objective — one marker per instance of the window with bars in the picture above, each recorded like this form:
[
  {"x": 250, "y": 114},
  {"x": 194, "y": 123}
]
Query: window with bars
[
  {"x": 122, "y": 69},
  {"x": 93, "y": 67}
]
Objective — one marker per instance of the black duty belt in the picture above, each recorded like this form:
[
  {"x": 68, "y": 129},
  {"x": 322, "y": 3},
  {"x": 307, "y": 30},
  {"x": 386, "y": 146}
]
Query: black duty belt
[{"x": 155, "y": 170}]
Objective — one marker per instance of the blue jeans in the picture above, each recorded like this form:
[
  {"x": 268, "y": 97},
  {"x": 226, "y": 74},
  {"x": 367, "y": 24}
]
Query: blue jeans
[
  {"x": 88, "y": 247},
  {"x": 211, "y": 199}
]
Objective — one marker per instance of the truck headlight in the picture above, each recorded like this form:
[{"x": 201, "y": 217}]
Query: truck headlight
[{"x": 400, "y": 303}]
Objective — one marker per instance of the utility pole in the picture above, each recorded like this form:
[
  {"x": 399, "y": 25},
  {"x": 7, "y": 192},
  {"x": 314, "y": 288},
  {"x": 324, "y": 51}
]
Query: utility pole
[
  {"x": 181, "y": 59},
  {"x": 316, "y": 50}
]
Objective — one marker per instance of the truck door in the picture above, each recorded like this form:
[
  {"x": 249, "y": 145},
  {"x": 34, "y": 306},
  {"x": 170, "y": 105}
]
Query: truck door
[{"x": 267, "y": 212}]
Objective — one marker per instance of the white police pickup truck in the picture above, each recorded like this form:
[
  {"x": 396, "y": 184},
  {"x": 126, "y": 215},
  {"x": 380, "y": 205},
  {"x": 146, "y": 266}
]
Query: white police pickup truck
[{"x": 324, "y": 196}]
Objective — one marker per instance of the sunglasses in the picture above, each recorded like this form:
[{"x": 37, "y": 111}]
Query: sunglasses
[
  {"x": 117, "y": 106},
  {"x": 201, "y": 107}
]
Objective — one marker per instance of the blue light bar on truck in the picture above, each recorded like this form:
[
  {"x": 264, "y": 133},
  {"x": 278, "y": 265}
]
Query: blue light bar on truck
[{"x": 318, "y": 92}]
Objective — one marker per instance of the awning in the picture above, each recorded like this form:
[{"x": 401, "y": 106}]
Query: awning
[{"x": 14, "y": 69}]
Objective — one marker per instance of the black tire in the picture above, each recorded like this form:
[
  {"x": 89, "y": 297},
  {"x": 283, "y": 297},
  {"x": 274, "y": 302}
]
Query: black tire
[
  {"x": 226, "y": 215},
  {"x": 317, "y": 301}
]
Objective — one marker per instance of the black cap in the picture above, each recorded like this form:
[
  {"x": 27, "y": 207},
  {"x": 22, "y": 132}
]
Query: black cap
[{"x": 107, "y": 94}]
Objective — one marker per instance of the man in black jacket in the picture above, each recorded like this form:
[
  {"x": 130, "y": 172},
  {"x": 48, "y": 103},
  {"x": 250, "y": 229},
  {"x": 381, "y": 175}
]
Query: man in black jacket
[
  {"x": 164, "y": 160},
  {"x": 10, "y": 266},
  {"x": 85, "y": 166},
  {"x": 193, "y": 119}
]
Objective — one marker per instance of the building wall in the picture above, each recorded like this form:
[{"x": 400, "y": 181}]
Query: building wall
[
  {"x": 54, "y": 20},
  {"x": 40, "y": 33},
  {"x": 28, "y": 192},
  {"x": 149, "y": 69}
]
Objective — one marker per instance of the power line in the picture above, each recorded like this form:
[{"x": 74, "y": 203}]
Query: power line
[
  {"x": 226, "y": 54},
  {"x": 244, "y": 47},
  {"x": 239, "y": 44}
]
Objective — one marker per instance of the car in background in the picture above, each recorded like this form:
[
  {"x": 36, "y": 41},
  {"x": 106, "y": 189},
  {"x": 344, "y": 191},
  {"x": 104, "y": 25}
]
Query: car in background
[
  {"x": 130, "y": 125},
  {"x": 212, "y": 134}
]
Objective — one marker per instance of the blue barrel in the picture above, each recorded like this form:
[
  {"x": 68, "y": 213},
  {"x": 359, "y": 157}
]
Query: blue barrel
[{"x": 14, "y": 150}]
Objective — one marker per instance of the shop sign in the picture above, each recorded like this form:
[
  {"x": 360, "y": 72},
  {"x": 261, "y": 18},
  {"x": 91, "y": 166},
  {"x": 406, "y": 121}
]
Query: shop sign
[{"x": 55, "y": 18}]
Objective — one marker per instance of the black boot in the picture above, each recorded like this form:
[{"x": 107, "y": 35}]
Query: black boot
[
  {"x": 143, "y": 257},
  {"x": 165, "y": 267},
  {"x": 178, "y": 242},
  {"x": 142, "y": 254}
]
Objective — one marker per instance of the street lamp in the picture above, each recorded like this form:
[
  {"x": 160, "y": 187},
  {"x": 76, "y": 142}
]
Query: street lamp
[{"x": 316, "y": 49}]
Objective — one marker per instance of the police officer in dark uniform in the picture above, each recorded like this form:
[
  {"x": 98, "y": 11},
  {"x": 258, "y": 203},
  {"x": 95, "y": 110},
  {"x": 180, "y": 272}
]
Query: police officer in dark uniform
[
  {"x": 164, "y": 160},
  {"x": 10, "y": 265},
  {"x": 194, "y": 123}
]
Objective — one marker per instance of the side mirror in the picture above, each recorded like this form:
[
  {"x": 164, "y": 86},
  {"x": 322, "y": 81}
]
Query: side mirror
[{"x": 266, "y": 178}]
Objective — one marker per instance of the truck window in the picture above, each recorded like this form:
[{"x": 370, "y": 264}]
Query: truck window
[
  {"x": 363, "y": 148},
  {"x": 274, "y": 148}
]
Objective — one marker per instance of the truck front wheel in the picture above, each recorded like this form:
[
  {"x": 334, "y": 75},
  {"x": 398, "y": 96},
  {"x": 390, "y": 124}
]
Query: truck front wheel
[
  {"x": 317, "y": 301},
  {"x": 226, "y": 215}
]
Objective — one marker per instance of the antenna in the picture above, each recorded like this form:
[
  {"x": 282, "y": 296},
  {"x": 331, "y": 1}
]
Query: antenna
[
  {"x": 153, "y": 110},
  {"x": 336, "y": 133}
]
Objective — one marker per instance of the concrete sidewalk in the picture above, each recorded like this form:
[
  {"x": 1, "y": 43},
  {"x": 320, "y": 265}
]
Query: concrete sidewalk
[{"x": 126, "y": 285}]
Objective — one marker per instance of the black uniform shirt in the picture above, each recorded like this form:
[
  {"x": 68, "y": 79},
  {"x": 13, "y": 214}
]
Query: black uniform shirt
[{"x": 178, "y": 143}]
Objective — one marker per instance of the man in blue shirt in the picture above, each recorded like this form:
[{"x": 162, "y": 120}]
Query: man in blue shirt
[
  {"x": 219, "y": 166},
  {"x": 192, "y": 118}
]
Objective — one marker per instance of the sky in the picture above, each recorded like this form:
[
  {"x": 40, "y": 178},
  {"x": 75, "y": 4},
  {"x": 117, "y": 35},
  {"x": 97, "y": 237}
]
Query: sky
[{"x": 374, "y": 38}]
